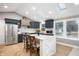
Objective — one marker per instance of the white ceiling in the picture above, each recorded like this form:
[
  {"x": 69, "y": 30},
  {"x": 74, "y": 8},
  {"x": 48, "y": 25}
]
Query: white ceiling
[{"x": 40, "y": 11}]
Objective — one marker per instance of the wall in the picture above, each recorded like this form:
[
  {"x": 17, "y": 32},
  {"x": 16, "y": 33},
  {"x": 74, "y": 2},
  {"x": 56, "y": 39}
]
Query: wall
[{"x": 2, "y": 32}]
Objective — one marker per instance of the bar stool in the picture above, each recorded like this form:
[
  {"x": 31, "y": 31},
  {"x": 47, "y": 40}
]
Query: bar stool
[
  {"x": 24, "y": 40},
  {"x": 34, "y": 46},
  {"x": 28, "y": 44}
]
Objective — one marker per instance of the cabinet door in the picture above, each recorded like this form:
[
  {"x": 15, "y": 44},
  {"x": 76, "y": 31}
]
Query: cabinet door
[
  {"x": 47, "y": 45},
  {"x": 49, "y": 23},
  {"x": 35, "y": 24},
  {"x": 59, "y": 28}
]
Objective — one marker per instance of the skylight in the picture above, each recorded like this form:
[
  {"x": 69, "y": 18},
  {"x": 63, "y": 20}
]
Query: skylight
[{"x": 61, "y": 6}]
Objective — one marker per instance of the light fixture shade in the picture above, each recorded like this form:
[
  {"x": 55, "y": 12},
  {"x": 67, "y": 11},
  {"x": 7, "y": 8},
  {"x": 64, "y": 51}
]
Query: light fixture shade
[
  {"x": 50, "y": 12},
  {"x": 5, "y": 6},
  {"x": 26, "y": 12},
  {"x": 35, "y": 17}
]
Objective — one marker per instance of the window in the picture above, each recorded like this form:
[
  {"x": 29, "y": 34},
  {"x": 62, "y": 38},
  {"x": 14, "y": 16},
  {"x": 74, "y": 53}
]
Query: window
[
  {"x": 59, "y": 28},
  {"x": 72, "y": 29}
]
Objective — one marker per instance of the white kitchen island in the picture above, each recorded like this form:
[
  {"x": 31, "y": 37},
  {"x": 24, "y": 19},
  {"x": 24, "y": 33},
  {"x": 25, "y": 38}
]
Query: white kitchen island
[{"x": 47, "y": 44}]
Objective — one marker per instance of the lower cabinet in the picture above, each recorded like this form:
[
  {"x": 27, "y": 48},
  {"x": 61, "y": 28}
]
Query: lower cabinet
[{"x": 20, "y": 38}]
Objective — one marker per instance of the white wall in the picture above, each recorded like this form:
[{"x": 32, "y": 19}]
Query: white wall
[{"x": 2, "y": 32}]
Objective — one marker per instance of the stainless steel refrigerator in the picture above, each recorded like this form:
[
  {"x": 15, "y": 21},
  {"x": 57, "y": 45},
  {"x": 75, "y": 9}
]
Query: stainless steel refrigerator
[{"x": 11, "y": 31}]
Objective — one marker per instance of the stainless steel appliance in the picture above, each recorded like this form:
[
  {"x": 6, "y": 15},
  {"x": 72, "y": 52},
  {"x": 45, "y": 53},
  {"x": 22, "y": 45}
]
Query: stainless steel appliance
[{"x": 11, "y": 32}]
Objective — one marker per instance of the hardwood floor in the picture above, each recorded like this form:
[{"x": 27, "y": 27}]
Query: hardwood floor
[
  {"x": 18, "y": 50},
  {"x": 62, "y": 50},
  {"x": 13, "y": 50}
]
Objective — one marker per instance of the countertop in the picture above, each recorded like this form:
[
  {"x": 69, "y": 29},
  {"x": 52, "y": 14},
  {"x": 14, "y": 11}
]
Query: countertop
[
  {"x": 42, "y": 37},
  {"x": 40, "y": 34}
]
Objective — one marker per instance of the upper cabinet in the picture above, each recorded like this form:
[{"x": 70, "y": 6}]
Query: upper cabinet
[
  {"x": 49, "y": 23},
  {"x": 35, "y": 24}
]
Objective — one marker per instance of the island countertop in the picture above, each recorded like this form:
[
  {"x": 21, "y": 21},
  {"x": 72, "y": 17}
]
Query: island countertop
[{"x": 42, "y": 37}]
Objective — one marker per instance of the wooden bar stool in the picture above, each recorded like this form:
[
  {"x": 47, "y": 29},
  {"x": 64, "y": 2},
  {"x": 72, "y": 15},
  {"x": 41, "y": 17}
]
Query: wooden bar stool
[
  {"x": 27, "y": 42},
  {"x": 24, "y": 40},
  {"x": 34, "y": 47}
]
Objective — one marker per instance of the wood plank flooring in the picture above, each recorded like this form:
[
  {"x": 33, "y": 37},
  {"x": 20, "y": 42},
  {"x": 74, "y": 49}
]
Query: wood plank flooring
[
  {"x": 62, "y": 50},
  {"x": 18, "y": 50},
  {"x": 13, "y": 50}
]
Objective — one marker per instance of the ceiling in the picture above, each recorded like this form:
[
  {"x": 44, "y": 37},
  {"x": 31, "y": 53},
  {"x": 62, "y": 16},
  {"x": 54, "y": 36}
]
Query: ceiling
[{"x": 41, "y": 11}]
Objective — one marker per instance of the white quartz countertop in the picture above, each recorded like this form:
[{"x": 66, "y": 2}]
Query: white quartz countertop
[{"x": 42, "y": 37}]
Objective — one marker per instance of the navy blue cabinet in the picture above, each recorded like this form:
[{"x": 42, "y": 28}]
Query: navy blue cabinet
[
  {"x": 49, "y": 23},
  {"x": 20, "y": 38},
  {"x": 35, "y": 24}
]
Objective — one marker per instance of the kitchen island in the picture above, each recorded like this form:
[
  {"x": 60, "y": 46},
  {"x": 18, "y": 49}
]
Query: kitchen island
[{"x": 47, "y": 44}]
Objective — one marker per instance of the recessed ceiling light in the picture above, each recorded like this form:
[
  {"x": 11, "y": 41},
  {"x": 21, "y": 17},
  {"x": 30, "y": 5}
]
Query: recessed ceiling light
[
  {"x": 76, "y": 3},
  {"x": 34, "y": 8},
  {"x": 5, "y": 6},
  {"x": 34, "y": 17},
  {"x": 50, "y": 12},
  {"x": 26, "y": 12}
]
